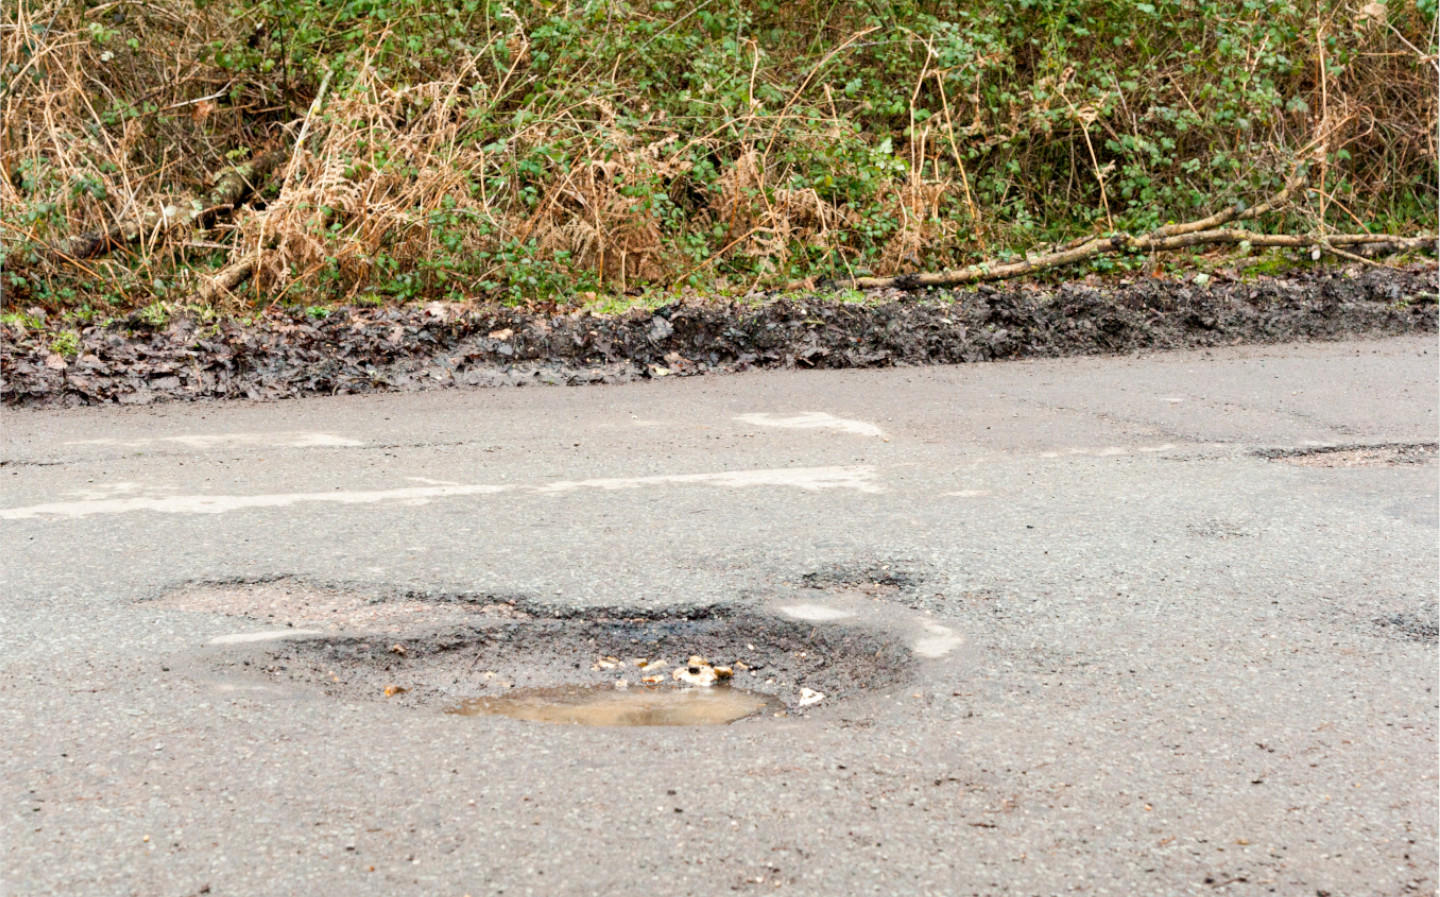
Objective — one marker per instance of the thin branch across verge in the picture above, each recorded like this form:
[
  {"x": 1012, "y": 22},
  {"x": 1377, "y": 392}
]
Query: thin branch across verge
[{"x": 1207, "y": 231}]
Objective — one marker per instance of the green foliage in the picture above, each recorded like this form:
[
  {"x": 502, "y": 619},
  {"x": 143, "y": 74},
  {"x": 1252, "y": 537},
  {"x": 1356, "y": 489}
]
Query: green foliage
[
  {"x": 543, "y": 150},
  {"x": 156, "y": 314},
  {"x": 67, "y": 343}
]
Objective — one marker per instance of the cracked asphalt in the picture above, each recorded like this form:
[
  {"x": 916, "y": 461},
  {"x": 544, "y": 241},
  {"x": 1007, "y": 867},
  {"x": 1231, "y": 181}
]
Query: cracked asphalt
[{"x": 1148, "y": 652}]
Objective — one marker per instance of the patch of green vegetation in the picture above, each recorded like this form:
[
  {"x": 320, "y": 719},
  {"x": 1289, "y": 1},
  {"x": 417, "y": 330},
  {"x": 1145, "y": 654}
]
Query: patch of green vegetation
[
  {"x": 610, "y": 304},
  {"x": 21, "y": 319},
  {"x": 156, "y": 314},
  {"x": 66, "y": 343},
  {"x": 1268, "y": 264}
]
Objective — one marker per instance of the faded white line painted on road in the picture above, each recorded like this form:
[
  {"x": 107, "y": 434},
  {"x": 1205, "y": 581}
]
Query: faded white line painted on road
[
  {"x": 815, "y": 613},
  {"x": 810, "y": 479},
  {"x": 940, "y": 641},
  {"x": 239, "y": 638},
  {"x": 208, "y": 440},
  {"x": 220, "y": 504},
  {"x": 813, "y": 420},
  {"x": 859, "y": 479},
  {"x": 1108, "y": 451}
]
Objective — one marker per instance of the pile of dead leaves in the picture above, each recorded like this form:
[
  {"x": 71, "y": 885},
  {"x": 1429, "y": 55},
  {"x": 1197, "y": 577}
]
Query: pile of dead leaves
[{"x": 355, "y": 350}]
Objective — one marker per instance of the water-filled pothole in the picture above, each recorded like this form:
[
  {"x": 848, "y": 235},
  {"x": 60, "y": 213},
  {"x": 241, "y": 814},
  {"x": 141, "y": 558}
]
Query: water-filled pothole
[
  {"x": 585, "y": 665},
  {"x": 603, "y": 705}
]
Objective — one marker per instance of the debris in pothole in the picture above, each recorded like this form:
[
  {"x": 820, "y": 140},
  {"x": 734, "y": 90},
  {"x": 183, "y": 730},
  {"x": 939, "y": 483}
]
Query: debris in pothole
[
  {"x": 398, "y": 649},
  {"x": 622, "y": 683},
  {"x": 696, "y": 672},
  {"x": 393, "y": 690},
  {"x": 809, "y": 696}
]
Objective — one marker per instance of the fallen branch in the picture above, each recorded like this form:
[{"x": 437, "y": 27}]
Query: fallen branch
[
  {"x": 231, "y": 188},
  {"x": 1180, "y": 236},
  {"x": 1201, "y": 232},
  {"x": 226, "y": 280},
  {"x": 1237, "y": 212}
]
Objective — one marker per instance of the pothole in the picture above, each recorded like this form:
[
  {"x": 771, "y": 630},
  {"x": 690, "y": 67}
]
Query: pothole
[
  {"x": 903, "y": 583},
  {"x": 876, "y": 579},
  {"x": 593, "y": 667},
  {"x": 1386, "y": 455}
]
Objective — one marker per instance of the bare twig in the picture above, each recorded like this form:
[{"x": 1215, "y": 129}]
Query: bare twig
[
  {"x": 1204, "y": 232},
  {"x": 1424, "y": 57},
  {"x": 214, "y": 96},
  {"x": 988, "y": 271},
  {"x": 1239, "y": 212}
]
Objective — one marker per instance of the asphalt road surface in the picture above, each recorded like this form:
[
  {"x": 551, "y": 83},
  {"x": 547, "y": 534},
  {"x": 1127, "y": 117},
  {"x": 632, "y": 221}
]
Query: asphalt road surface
[{"x": 1150, "y": 651}]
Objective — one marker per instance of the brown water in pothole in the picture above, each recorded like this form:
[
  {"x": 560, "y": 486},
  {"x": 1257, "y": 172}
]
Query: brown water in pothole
[{"x": 608, "y": 706}]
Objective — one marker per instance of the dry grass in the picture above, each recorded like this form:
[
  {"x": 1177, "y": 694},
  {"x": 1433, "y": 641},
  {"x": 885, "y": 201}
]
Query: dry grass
[{"x": 506, "y": 168}]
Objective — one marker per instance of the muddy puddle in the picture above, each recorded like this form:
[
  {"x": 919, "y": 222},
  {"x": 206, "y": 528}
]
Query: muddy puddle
[{"x": 609, "y": 706}]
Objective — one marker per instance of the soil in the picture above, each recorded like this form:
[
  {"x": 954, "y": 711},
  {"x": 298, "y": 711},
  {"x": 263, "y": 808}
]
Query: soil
[{"x": 357, "y": 350}]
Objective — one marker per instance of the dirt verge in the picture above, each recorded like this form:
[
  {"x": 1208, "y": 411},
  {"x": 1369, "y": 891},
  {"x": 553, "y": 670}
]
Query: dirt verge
[{"x": 355, "y": 350}]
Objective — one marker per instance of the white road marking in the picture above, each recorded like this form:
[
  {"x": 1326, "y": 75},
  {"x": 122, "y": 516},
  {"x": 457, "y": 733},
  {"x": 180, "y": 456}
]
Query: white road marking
[
  {"x": 205, "y": 441},
  {"x": 808, "y": 478},
  {"x": 815, "y": 613},
  {"x": 968, "y": 493},
  {"x": 269, "y": 635},
  {"x": 813, "y": 420},
  {"x": 941, "y": 641},
  {"x": 1108, "y": 451},
  {"x": 220, "y": 504},
  {"x": 858, "y": 478}
]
